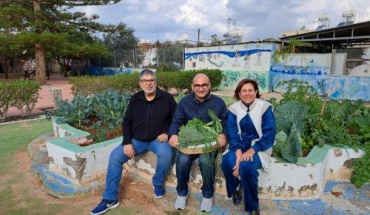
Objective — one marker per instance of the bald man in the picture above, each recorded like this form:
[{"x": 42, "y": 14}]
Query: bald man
[{"x": 196, "y": 104}]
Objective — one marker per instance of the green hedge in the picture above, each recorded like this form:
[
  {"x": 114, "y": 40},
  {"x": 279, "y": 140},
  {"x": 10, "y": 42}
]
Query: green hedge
[
  {"x": 130, "y": 82},
  {"x": 22, "y": 94}
]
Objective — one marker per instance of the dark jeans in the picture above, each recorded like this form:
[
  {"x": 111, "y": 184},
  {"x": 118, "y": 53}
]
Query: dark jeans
[
  {"x": 206, "y": 164},
  {"x": 248, "y": 176}
]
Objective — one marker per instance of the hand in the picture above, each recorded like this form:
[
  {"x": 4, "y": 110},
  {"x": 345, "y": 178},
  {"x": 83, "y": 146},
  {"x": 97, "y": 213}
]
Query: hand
[
  {"x": 162, "y": 138},
  {"x": 129, "y": 150},
  {"x": 238, "y": 155},
  {"x": 248, "y": 155},
  {"x": 174, "y": 141},
  {"x": 221, "y": 139}
]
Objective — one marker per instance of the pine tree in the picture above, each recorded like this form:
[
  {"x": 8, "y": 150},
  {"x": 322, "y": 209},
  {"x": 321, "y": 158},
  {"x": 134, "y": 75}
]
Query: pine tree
[{"x": 42, "y": 26}]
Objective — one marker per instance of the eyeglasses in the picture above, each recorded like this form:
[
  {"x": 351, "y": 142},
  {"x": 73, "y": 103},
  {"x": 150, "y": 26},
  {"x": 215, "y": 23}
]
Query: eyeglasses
[
  {"x": 148, "y": 81},
  {"x": 198, "y": 86}
]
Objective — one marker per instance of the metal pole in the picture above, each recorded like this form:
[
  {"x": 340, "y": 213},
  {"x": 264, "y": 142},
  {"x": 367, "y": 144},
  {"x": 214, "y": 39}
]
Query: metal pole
[{"x": 114, "y": 53}]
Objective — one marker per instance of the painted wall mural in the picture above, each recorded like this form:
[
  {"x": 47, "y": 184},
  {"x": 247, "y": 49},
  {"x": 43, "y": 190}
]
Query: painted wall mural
[
  {"x": 348, "y": 87},
  {"x": 315, "y": 69},
  {"x": 252, "y": 60},
  {"x": 312, "y": 68}
]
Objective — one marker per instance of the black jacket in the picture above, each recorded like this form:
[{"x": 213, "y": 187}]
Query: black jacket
[{"x": 145, "y": 120}]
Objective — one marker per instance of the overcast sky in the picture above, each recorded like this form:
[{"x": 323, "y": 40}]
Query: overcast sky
[{"x": 258, "y": 19}]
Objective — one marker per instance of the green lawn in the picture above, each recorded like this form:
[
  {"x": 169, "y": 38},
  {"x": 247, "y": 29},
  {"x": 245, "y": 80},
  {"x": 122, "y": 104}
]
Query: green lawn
[
  {"x": 14, "y": 138},
  {"x": 19, "y": 134}
]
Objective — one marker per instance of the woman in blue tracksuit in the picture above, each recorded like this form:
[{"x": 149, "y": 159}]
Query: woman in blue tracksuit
[{"x": 251, "y": 130}]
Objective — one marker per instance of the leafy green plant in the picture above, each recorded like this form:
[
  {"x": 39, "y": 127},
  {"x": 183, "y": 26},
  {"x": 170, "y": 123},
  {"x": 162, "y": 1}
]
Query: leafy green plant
[
  {"x": 197, "y": 132},
  {"x": 22, "y": 94},
  {"x": 101, "y": 113},
  {"x": 292, "y": 47},
  {"x": 6, "y": 97},
  {"x": 361, "y": 168},
  {"x": 110, "y": 106},
  {"x": 26, "y": 95},
  {"x": 336, "y": 123},
  {"x": 289, "y": 119},
  {"x": 75, "y": 112}
]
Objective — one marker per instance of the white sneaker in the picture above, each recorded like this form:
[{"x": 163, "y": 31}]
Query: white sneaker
[
  {"x": 206, "y": 205},
  {"x": 180, "y": 202}
]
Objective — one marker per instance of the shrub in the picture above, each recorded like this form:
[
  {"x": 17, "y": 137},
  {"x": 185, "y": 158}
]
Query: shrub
[
  {"x": 6, "y": 97},
  {"x": 129, "y": 82},
  {"x": 22, "y": 94}
]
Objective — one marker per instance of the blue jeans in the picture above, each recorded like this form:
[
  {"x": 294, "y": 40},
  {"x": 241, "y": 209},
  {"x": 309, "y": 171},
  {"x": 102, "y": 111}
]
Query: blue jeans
[
  {"x": 117, "y": 158},
  {"x": 248, "y": 176},
  {"x": 206, "y": 164}
]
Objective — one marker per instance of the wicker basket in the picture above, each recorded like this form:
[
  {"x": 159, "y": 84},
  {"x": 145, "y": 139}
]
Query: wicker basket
[{"x": 198, "y": 149}]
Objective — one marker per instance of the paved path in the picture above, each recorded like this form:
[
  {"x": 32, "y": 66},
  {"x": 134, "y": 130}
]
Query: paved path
[{"x": 45, "y": 100}]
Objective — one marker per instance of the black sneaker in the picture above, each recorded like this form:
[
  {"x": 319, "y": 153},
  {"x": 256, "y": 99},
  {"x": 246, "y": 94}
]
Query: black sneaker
[
  {"x": 237, "y": 196},
  {"x": 104, "y": 206}
]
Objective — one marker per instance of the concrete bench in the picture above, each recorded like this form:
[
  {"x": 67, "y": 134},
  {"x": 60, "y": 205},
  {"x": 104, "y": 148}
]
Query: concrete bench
[{"x": 28, "y": 74}]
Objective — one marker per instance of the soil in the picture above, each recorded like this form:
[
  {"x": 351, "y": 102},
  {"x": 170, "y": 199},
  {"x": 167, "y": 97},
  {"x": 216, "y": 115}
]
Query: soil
[
  {"x": 134, "y": 195},
  {"x": 97, "y": 135}
]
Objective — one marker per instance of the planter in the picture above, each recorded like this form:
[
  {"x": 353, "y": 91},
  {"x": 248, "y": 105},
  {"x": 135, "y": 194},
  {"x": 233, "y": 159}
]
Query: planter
[
  {"x": 307, "y": 178},
  {"x": 78, "y": 164}
]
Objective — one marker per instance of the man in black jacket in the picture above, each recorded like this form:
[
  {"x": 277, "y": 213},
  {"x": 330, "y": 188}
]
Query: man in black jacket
[{"x": 145, "y": 127}]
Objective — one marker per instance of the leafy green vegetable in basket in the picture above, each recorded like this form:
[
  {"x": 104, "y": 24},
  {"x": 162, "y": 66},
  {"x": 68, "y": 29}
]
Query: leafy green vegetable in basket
[{"x": 197, "y": 132}]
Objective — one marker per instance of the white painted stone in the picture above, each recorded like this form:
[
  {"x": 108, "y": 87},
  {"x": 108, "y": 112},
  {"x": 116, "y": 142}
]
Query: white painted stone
[{"x": 77, "y": 163}]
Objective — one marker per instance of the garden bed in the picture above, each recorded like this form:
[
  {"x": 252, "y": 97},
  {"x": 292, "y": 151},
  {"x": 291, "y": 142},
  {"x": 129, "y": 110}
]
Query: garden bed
[{"x": 77, "y": 163}]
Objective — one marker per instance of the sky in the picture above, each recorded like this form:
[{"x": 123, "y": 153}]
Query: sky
[{"x": 176, "y": 20}]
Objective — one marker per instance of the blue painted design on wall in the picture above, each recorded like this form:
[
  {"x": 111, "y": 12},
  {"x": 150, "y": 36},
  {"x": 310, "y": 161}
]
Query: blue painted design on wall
[
  {"x": 316, "y": 80},
  {"x": 240, "y": 53},
  {"x": 337, "y": 87},
  {"x": 348, "y": 87}
]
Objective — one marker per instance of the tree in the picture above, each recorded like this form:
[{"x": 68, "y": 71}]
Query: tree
[
  {"x": 81, "y": 47},
  {"x": 170, "y": 53},
  {"x": 292, "y": 47},
  {"x": 122, "y": 43},
  {"x": 48, "y": 24}
]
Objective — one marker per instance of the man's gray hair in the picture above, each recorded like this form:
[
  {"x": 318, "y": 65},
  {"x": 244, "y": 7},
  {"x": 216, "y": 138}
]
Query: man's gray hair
[{"x": 147, "y": 72}]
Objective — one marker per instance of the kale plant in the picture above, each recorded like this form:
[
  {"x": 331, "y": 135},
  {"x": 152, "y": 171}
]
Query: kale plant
[{"x": 197, "y": 132}]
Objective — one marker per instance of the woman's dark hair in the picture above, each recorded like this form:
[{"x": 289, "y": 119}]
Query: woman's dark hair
[{"x": 241, "y": 84}]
